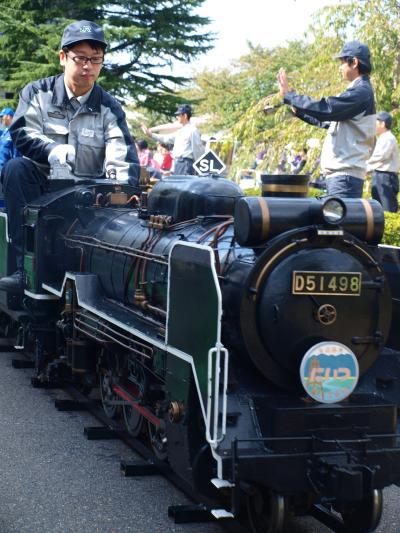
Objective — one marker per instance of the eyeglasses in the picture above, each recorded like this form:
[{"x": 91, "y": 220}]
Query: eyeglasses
[{"x": 83, "y": 60}]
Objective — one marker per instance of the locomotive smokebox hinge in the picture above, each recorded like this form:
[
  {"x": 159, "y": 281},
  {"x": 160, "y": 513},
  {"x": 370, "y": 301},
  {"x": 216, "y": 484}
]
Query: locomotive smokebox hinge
[
  {"x": 377, "y": 284},
  {"x": 377, "y": 338}
]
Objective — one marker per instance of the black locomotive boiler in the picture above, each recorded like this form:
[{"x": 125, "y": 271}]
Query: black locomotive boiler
[{"x": 242, "y": 336}]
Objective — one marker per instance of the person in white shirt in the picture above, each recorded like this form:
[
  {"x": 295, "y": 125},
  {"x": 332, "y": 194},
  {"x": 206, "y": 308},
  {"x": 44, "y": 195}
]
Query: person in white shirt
[
  {"x": 188, "y": 146},
  {"x": 384, "y": 164}
]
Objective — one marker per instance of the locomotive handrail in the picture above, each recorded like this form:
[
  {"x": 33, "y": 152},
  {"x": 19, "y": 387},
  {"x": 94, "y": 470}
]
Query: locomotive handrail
[
  {"x": 132, "y": 252},
  {"x": 213, "y": 395}
]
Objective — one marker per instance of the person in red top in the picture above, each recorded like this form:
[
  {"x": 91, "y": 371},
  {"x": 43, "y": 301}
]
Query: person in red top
[{"x": 166, "y": 162}]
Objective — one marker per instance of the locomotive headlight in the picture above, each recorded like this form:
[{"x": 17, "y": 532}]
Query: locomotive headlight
[{"x": 333, "y": 211}]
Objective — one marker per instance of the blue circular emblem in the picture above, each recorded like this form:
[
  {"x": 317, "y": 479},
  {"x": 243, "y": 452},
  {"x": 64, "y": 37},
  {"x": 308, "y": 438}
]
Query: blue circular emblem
[{"x": 329, "y": 372}]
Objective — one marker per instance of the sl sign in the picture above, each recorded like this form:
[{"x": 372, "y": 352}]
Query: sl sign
[{"x": 209, "y": 163}]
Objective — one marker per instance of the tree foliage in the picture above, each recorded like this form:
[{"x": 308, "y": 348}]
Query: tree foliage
[
  {"x": 227, "y": 93},
  {"x": 145, "y": 37}
]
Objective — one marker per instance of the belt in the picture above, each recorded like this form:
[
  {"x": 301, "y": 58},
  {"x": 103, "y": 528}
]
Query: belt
[{"x": 184, "y": 159}]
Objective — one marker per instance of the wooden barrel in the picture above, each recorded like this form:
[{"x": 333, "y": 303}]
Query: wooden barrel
[{"x": 284, "y": 185}]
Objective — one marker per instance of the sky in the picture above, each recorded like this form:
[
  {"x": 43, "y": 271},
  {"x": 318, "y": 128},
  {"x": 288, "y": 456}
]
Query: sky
[{"x": 265, "y": 22}]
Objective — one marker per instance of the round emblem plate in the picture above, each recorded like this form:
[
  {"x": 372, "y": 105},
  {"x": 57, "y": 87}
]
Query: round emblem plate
[{"x": 329, "y": 372}]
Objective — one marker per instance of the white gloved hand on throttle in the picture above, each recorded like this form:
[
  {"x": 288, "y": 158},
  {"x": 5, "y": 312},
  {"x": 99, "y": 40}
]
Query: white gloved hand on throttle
[{"x": 62, "y": 154}]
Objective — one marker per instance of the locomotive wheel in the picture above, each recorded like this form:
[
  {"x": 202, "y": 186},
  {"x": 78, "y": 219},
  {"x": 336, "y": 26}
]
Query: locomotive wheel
[
  {"x": 364, "y": 515},
  {"x": 266, "y": 511},
  {"x": 158, "y": 441},
  {"x": 108, "y": 395},
  {"x": 133, "y": 420}
]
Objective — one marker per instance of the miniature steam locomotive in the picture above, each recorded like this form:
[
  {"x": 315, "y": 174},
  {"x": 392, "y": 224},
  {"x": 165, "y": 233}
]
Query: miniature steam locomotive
[{"x": 243, "y": 336}]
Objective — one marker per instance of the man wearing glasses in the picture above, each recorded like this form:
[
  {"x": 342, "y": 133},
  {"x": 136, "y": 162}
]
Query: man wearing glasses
[{"x": 65, "y": 119}]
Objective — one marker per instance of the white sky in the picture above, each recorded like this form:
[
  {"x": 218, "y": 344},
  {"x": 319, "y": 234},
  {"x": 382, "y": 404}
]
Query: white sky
[{"x": 264, "y": 22}]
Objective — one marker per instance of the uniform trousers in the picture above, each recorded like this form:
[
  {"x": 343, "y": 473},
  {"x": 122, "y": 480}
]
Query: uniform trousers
[
  {"x": 385, "y": 187},
  {"x": 22, "y": 182},
  {"x": 183, "y": 166},
  {"x": 344, "y": 186}
]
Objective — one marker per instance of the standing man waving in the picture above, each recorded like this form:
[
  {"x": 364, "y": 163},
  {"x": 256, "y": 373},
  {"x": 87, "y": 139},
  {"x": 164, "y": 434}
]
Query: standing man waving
[{"x": 348, "y": 117}]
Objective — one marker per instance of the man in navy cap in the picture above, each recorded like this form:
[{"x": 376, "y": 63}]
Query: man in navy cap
[
  {"x": 65, "y": 119},
  {"x": 384, "y": 164},
  {"x": 7, "y": 148},
  {"x": 187, "y": 142},
  {"x": 348, "y": 117}
]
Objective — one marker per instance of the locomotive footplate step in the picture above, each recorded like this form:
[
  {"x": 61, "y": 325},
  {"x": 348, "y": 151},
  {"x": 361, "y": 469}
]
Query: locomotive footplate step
[
  {"x": 184, "y": 514},
  {"x": 324, "y": 515},
  {"x": 100, "y": 433},
  {"x": 22, "y": 363},
  {"x": 139, "y": 468},
  {"x": 71, "y": 405}
]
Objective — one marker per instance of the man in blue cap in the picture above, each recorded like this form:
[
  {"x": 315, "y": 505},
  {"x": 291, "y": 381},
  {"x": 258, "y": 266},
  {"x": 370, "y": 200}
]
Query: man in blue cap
[
  {"x": 349, "y": 119},
  {"x": 7, "y": 148},
  {"x": 65, "y": 119},
  {"x": 385, "y": 164}
]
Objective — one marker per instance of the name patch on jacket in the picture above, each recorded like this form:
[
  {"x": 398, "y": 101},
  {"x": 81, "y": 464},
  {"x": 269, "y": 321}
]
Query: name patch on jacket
[
  {"x": 87, "y": 133},
  {"x": 55, "y": 114}
]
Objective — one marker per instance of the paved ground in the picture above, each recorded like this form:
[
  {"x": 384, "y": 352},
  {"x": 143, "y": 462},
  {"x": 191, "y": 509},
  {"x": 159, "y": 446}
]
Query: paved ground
[{"x": 53, "y": 480}]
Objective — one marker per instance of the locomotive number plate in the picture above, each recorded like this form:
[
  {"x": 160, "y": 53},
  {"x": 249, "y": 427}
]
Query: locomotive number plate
[{"x": 337, "y": 283}]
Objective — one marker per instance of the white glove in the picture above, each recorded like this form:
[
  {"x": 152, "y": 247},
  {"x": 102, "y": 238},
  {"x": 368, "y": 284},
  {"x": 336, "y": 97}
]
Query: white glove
[{"x": 62, "y": 154}]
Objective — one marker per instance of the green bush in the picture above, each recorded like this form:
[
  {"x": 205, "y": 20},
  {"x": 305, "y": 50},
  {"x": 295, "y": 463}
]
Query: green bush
[
  {"x": 255, "y": 191},
  {"x": 392, "y": 229}
]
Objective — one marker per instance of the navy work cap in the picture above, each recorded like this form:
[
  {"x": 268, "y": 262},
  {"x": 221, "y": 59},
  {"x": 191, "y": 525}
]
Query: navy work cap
[
  {"x": 83, "y": 30},
  {"x": 358, "y": 50},
  {"x": 385, "y": 117},
  {"x": 182, "y": 109},
  {"x": 7, "y": 111}
]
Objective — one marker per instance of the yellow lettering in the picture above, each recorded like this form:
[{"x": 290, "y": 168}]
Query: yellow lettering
[
  {"x": 298, "y": 283},
  {"x": 310, "y": 283}
]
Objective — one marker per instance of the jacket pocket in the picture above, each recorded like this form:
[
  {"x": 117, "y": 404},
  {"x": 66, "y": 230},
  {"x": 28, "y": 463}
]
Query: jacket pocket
[{"x": 89, "y": 160}]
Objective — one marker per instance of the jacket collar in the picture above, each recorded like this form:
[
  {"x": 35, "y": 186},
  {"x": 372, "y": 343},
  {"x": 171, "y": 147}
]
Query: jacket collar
[{"x": 60, "y": 97}]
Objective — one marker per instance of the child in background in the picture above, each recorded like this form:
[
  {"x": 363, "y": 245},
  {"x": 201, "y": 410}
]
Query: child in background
[{"x": 166, "y": 162}]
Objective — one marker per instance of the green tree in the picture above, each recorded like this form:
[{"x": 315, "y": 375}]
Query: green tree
[{"x": 145, "y": 37}]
